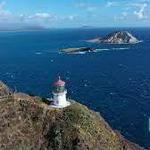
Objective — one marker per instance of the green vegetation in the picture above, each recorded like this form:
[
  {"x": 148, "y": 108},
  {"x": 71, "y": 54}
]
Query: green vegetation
[{"x": 26, "y": 123}]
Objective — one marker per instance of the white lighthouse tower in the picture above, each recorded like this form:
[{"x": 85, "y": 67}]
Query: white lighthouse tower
[{"x": 59, "y": 94}]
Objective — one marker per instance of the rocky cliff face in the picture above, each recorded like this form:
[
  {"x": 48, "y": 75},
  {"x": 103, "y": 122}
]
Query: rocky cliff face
[
  {"x": 26, "y": 123},
  {"x": 120, "y": 37},
  {"x": 4, "y": 91}
]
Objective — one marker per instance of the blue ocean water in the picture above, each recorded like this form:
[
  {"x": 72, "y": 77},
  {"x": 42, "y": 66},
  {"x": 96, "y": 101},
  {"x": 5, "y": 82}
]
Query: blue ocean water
[{"x": 114, "y": 81}]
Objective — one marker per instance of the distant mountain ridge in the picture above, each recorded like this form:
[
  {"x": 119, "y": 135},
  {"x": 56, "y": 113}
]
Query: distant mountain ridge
[{"x": 18, "y": 27}]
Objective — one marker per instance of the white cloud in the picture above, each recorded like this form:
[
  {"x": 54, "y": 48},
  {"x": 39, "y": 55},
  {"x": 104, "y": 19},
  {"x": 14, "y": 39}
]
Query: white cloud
[
  {"x": 141, "y": 14},
  {"x": 42, "y": 16},
  {"x": 111, "y": 4},
  {"x": 4, "y": 14},
  {"x": 86, "y": 6},
  {"x": 72, "y": 17},
  {"x": 124, "y": 14},
  {"x": 69, "y": 18},
  {"x": 2, "y": 5},
  {"x": 138, "y": 8},
  {"x": 126, "y": 11},
  {"x": 7, "y": 17}
]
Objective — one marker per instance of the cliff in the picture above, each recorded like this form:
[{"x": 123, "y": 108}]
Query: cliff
[
  {"x": 119, "y": 37},
  {"x": 27, "y": 123}
]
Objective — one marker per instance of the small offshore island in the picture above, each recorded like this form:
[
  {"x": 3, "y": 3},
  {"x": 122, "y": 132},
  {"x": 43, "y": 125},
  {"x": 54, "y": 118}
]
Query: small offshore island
[
  {"x": 118, "y": 37},
  {"x": 77, "y": 50},
  {"x": 30, "y": 123}
]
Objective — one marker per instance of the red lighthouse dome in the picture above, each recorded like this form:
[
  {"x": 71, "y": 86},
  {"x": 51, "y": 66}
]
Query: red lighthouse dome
[{"x": 59, "y": 82}]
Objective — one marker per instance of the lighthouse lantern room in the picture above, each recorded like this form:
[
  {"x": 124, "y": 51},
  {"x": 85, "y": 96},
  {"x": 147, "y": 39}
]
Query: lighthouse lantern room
[{"x": 59, "y": 94}]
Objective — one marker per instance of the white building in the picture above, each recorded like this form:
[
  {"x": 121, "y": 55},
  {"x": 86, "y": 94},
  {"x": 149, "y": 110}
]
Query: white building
[{"x": 59, "y": 94}]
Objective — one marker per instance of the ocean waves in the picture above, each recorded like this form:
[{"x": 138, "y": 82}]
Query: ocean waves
[{"x": 98, "y": 50}]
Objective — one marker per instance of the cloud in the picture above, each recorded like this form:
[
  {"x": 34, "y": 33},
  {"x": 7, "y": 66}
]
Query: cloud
[
  {"x": 134, "y": 10},
  {"x": 111, "y": 4},
  {"x": 8, "y": 17},
  {"x": 39, "y": 18},
  {"x": 124, "y": 14},
  {"x": 2, "y": 5},
  {"x": 42, "y": 16},
  {"x": 72, "y": 17},
  {"x": 138, "y": 9},
  {"x": 4, "y": 14},
  {"x": 86, "y": 6},
  {"x": 141, "y": 12},
  {"x": 68, "y": 18},
  {"x": 121, "y": 17}
]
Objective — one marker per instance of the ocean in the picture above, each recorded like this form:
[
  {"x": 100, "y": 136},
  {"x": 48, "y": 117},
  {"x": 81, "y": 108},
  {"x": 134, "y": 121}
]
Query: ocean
[{"x": 114, "y": 81}]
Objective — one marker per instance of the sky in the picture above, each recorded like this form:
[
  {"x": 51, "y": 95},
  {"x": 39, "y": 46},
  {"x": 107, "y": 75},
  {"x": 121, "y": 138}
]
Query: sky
[{"x": 75, "y": 13}]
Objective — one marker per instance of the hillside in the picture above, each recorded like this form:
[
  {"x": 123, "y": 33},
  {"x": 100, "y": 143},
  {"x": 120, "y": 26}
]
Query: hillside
[
  {"x": 28, "y": 123},
  {"x": 118, "y": 37}
]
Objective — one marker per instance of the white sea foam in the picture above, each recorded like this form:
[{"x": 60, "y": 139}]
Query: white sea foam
[
  {"x": 38, "y": 53},
  {"x": 51, "y": 60},
  {"x": 81, "y": 52},
  {"x": 78, "y": 53},
  {"x": 120, "y": 48},
  {"x": 102, "y": 49},
  {"x": 111, "y": 49}
]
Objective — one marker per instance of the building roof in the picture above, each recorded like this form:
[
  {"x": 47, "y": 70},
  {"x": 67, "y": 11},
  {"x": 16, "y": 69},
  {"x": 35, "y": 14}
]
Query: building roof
[{"x": 59, "y": 82}]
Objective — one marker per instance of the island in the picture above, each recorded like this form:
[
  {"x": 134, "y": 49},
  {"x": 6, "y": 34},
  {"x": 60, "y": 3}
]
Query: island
[
  {"x": 118, "y": 37},
  {"x": 29, "y": 123},
  {"x": 77, "y": 50}
]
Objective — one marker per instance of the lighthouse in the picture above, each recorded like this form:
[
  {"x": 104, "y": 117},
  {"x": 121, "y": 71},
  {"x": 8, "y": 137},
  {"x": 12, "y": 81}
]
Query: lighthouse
[{"x": 59, "y": 94}]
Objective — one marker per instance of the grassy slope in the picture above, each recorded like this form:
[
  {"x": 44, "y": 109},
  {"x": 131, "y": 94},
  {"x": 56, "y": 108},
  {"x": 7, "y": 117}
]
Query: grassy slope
[{"x": 27, "y": 123}]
